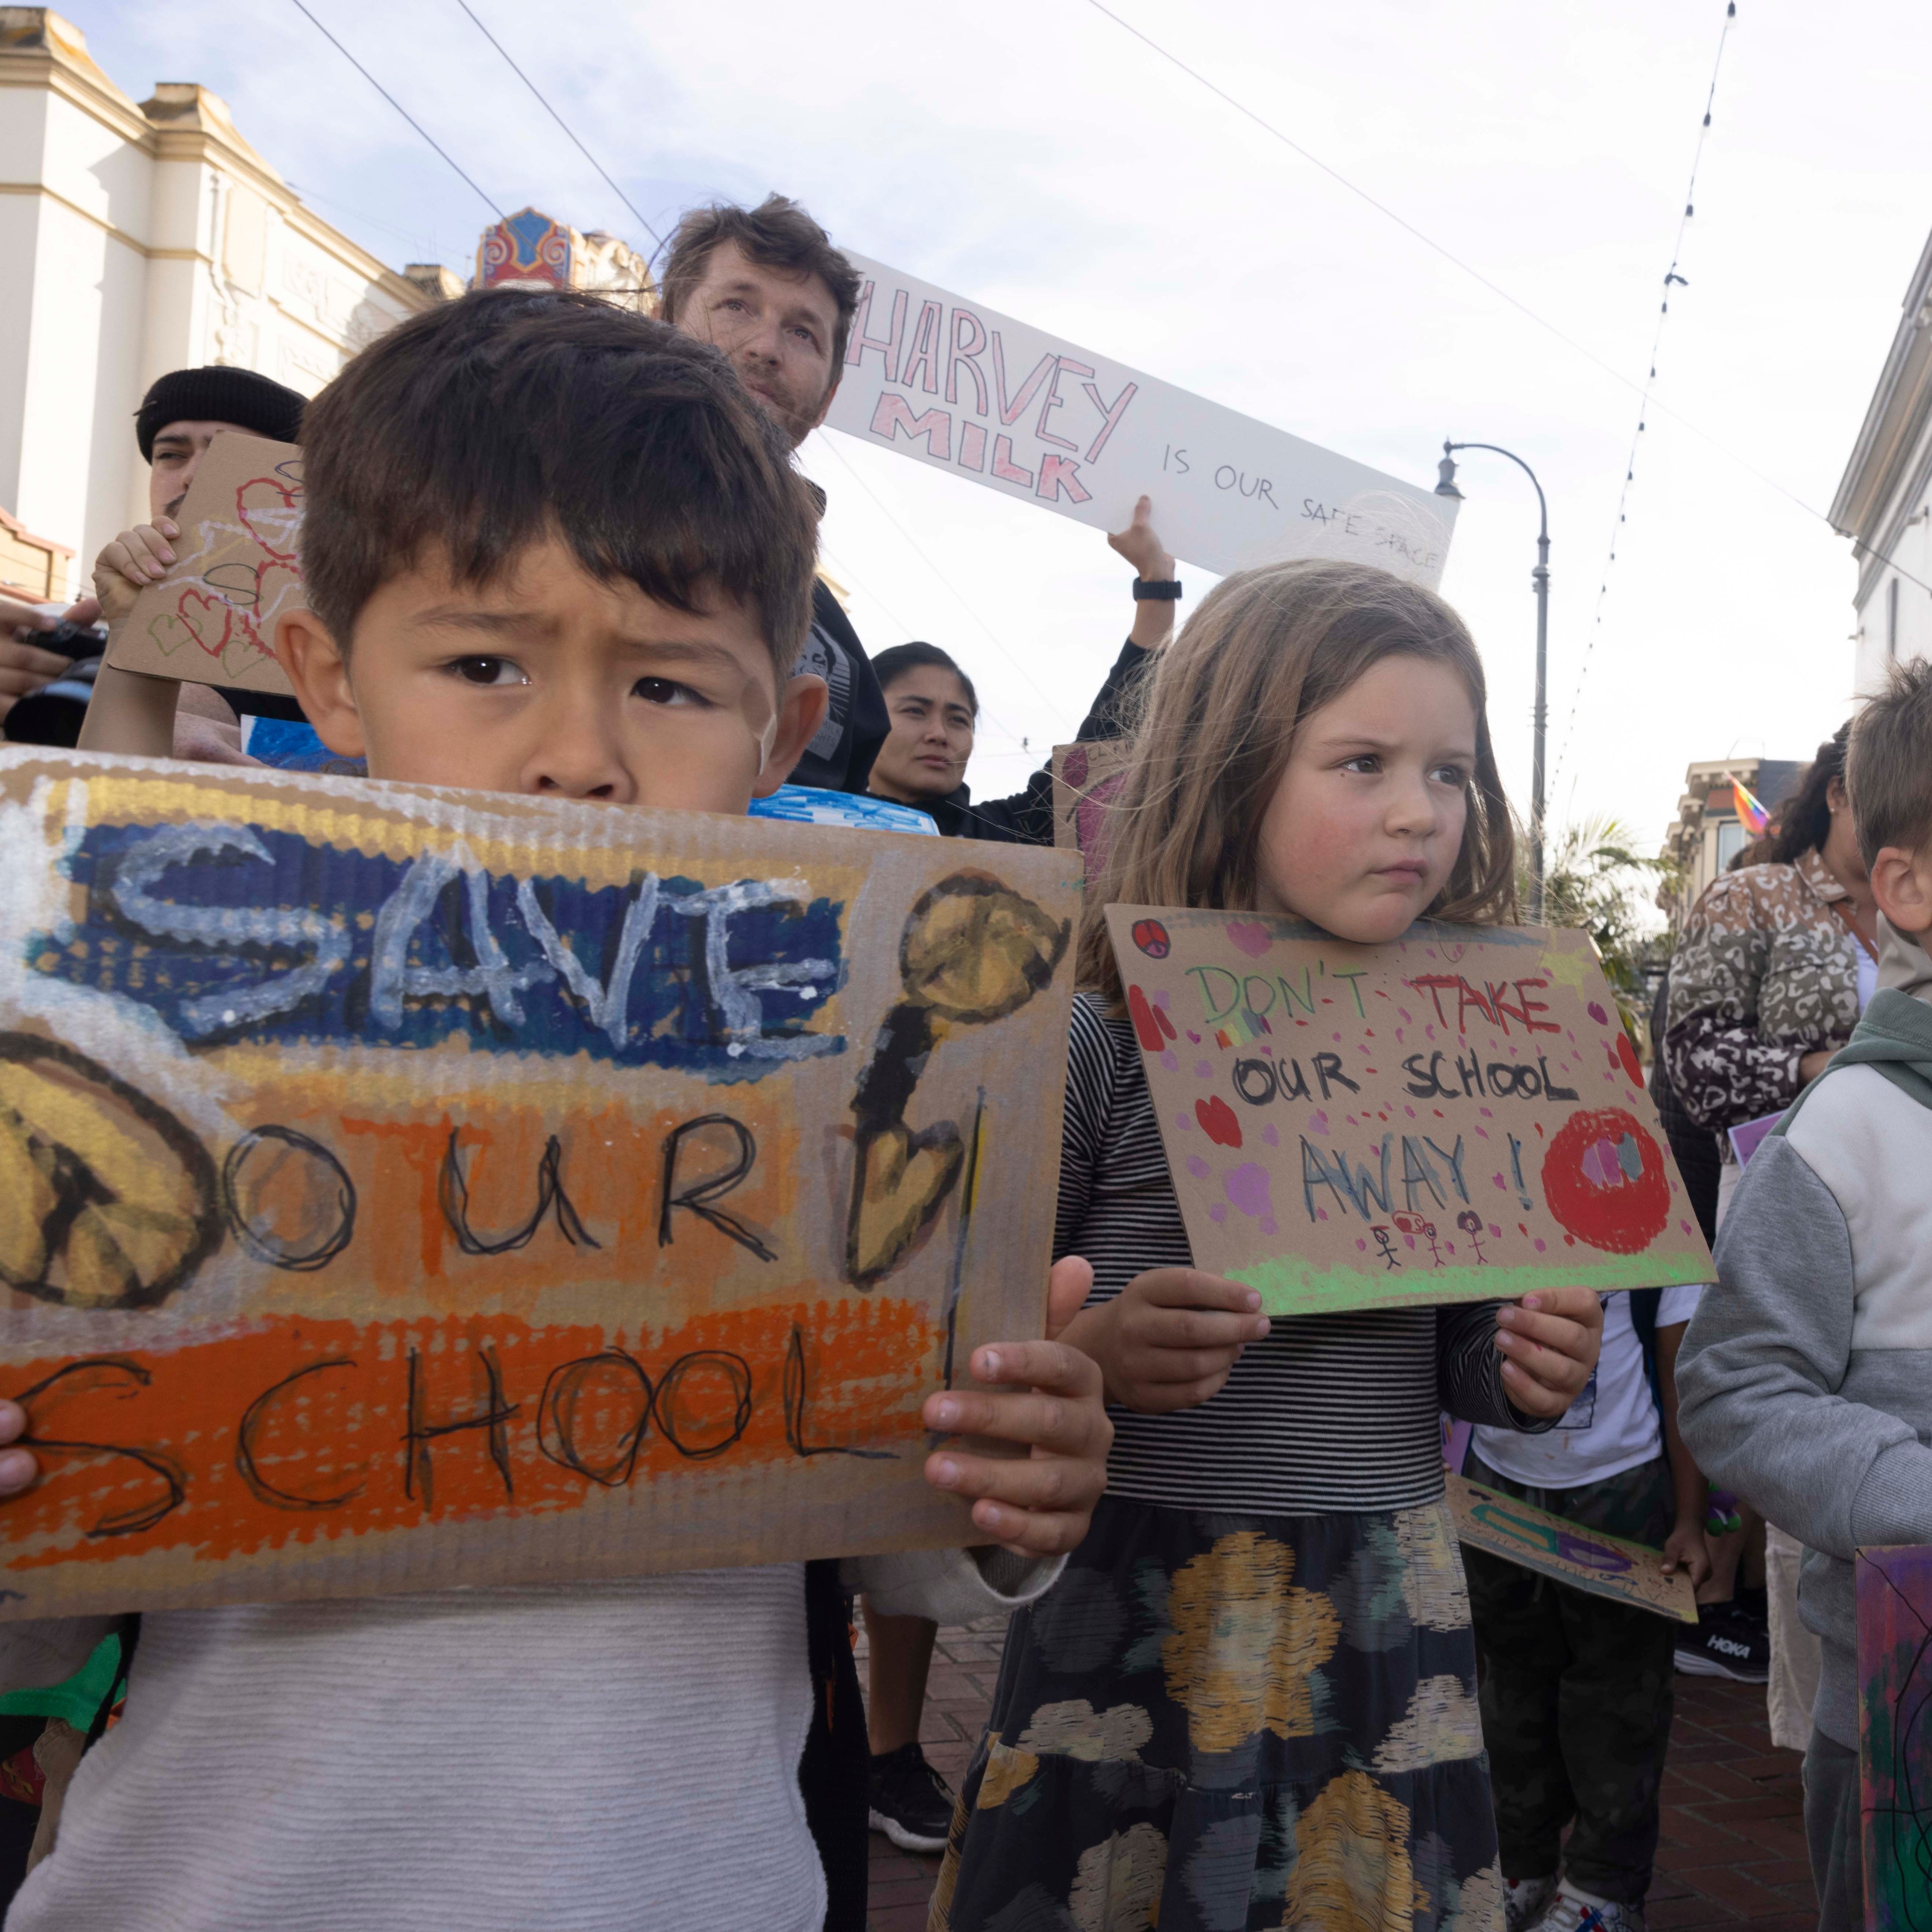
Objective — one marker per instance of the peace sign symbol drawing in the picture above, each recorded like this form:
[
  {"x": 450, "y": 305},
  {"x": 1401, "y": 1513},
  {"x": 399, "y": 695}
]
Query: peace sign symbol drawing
[{"x": 113, "y": 1202}]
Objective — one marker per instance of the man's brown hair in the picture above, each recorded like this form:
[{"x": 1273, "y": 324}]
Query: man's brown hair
[
  {"x": 1266, "y": 648},
  {"x": 1889, "y": 770},
  {"x": 776, "y": 234},
  {"x": 507, "y": 416}
]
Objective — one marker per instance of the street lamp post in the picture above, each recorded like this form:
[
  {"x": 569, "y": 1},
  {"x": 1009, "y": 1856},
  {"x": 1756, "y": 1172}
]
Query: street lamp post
[{"x": 1540, "y": 580}]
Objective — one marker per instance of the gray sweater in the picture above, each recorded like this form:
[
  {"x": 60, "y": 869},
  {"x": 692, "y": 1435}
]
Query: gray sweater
[
  {"x": 602, "y": 1756},
  {"x": 1805, "y": 1381}
]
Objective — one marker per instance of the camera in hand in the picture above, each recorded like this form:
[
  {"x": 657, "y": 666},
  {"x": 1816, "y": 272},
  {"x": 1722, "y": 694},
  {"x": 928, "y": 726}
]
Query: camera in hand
[
  {"x": 52, "y": 714},
  {"x": 70, "y": 640}
]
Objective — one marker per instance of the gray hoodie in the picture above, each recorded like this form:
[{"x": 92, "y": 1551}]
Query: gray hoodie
[{"x": 1805, "y": 1380}]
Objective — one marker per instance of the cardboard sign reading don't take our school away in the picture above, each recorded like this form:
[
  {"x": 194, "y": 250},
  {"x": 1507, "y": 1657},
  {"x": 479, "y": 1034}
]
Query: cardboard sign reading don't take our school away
[
  {"x": 1007, "y": 405},
  {"x": 408, "y": 1187},
  {"x": 1455, "y": 1116},
  {"x": 237, "y": 573}
]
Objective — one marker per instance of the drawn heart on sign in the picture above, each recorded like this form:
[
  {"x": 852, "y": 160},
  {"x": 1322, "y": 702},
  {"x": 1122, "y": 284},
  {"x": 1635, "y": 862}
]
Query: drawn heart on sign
[
  {"x": 278, "y": 589},
  {"x": 168, "y": 633},
  {"x": 904, "y": 1179},
  {"x": 271, "y": 514},
  {"x": 1253, "y": 939},
  {"x": 208, "y": 620},
  {"x": 1218, "y": 1122},
  {"x": 1627, "y": 1054}
]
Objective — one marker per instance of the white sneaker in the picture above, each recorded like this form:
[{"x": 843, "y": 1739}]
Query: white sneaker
[
  {"x": 1525, "y": 1900},
  {"x": 1576, "y": 1912}
]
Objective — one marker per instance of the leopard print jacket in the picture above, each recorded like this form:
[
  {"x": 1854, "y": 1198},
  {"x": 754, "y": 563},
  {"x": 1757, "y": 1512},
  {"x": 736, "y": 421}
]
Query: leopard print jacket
[{"x": 1765, "y": 973}]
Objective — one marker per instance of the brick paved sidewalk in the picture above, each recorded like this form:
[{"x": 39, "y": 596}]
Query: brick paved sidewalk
[{"x": 1733, "y": 1848}]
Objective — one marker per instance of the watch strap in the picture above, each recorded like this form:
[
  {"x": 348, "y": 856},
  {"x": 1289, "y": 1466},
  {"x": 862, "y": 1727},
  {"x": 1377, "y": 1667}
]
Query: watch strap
[{"x": 1156, "y": 590}]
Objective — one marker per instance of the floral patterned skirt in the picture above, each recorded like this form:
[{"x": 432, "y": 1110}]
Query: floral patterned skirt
[{"x": 1215, "y": 1722}]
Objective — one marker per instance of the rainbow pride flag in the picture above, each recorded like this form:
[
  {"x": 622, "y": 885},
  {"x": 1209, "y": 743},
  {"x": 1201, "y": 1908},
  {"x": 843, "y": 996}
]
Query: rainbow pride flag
[{"x": 1752, "y": 814}]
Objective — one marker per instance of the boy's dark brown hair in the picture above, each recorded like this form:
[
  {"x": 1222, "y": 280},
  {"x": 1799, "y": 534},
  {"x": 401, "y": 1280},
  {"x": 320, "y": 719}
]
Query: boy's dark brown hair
[
  {"x": 1889, "y": 770},
  {"x": 776, "y": 234},
  {"x": 507, "y": 415}
]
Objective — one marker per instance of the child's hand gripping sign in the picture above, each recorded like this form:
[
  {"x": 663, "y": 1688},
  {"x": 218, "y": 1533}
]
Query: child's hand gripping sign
[
  {"x": 1455, "y": 1115},
  {"x": 409, "y": 1187}
]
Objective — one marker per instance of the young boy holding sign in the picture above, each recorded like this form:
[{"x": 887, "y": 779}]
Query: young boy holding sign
[{"x": 551, "y": 549}]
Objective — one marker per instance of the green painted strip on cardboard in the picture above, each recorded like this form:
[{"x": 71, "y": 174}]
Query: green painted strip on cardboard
[{"x": 1290, "y": 1285}]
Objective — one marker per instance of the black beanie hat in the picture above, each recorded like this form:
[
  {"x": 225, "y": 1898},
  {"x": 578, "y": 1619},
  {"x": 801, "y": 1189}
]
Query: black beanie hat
[{"x": 237, "y": 396}]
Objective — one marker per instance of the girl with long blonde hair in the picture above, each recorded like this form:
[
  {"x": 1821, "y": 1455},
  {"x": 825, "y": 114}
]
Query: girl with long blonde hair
[{"x": 1251, "y": 1699}]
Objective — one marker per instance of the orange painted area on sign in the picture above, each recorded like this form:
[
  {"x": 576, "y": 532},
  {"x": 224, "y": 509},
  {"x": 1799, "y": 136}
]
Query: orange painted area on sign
[
  {"x": 314, "y": 1429},
  {"x": 411, "y": 1188}
]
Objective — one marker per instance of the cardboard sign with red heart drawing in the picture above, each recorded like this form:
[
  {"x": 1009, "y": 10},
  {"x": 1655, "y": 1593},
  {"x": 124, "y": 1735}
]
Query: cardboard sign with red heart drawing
[
  {"x": 212, "y": 620},
  {"x": 1085, "y": 779},
  {"x": 1457, "y": 1115}
]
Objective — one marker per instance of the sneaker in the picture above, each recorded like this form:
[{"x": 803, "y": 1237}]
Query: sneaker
[
  {"x": 1525, "y": 1900},
  {"x": 1574, "y": 1913},
  {"x": 911, "y": 1802},
  {"x": 1727, "y": 1643}
]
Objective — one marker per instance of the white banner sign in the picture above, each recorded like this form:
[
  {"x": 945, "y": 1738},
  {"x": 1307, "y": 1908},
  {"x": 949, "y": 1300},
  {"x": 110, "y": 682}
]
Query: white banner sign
[{"x": 965, "y": 389}]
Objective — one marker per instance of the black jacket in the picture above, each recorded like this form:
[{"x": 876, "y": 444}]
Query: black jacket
[
  {"x": 840, "y": 758},
  {"x": 1026, "y": 818}
]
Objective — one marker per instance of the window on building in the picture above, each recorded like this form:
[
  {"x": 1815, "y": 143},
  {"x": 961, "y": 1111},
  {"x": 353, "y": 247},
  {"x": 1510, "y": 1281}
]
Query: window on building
[
  {"x": 1892, "y": 620},
  {"x": 1731, "y": 841}
]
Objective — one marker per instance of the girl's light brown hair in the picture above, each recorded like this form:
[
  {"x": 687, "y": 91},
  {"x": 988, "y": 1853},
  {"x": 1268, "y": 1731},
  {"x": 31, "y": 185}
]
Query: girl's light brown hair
[{"x": 1267, "y": 648}]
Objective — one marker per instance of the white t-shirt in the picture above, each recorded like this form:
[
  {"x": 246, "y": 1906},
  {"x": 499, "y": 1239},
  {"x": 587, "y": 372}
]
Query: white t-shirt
[{"x": 1612, "y": 1427}]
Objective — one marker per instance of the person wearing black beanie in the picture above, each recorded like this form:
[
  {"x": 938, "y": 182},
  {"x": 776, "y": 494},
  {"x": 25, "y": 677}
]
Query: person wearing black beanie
[
  {"x": 179, "y": 417},
  {"x": 221, "y": 399}
]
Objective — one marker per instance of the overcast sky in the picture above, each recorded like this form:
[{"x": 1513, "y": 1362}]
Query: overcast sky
[{"x": 1033, "y": 154}]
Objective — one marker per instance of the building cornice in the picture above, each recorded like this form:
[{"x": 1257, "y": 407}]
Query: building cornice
[
  {"x": 38, "y": 49},
  {"x": 1895, "y": 420}
]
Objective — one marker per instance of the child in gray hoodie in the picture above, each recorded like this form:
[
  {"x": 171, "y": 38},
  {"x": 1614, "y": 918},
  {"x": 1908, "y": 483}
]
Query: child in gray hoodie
[{"x": 1805, "y": 1381}]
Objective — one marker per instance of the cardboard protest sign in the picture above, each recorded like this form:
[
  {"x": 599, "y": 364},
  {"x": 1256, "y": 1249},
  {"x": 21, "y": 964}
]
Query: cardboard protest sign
[
  {"x": 1085, "y": 778},
  {"x": 1457, "y": 1116},
  {"x": 1894, "y": 1609},
  {"x": 1586, "y": 1559},
  {"x": 408, "y": 1187},
  {"x": 959, "y": 385},
  {"x": 212, "y": 620}
]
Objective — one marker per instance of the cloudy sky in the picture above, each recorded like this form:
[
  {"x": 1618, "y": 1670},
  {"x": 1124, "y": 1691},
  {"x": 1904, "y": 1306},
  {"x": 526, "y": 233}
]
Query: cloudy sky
[{"x": 1035, "y": 155}]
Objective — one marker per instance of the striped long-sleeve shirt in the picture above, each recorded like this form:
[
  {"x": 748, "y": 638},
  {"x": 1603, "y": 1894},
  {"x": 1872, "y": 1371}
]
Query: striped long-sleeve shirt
[{"x": 1332, "y": 1412}]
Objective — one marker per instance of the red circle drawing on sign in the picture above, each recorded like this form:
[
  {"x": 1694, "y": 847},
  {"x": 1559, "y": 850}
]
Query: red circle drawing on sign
[
  {"x": 1150, "y": 936},
  {"x": 1604, "y": 1179}
]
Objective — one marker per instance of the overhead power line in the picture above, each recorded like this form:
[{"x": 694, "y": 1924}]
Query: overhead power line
[
  {"x": 395, "y": 103},
  {"x": 919, "y": 551},
  {"x": 570, "y": 131},
  {"x": 1672, "y": 279}
]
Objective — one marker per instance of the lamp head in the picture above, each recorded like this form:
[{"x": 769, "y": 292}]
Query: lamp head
[{"x": 1445, "y": 475}]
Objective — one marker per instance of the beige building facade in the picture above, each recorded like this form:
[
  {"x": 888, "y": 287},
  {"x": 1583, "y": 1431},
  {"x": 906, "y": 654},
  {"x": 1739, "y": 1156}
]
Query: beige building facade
[
  {"x": 141, "y": 238},
  {"x": 1884, "y": 502}
]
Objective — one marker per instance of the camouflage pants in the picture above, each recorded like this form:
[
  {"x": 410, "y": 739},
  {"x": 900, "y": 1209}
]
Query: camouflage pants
[{"x": 1576, "y": 1696}]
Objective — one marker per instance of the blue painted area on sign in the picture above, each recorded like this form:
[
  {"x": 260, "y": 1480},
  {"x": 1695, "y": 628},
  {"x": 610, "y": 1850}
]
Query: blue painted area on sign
[{"x": 231, "y": 932}]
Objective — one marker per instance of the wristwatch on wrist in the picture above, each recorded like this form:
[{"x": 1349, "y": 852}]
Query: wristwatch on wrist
[{"x": 1156, "y": 590}]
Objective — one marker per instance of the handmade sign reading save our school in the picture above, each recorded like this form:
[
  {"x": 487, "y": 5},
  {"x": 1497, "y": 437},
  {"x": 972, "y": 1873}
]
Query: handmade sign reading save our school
[
  {"x": 1455, "y": 1116},
  {"x": 960, "y": 386},
  {"x": 407, "y": 1187},
  {"x": 237, "y": 572},
  {"x": 1586, "y": 1559}
]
